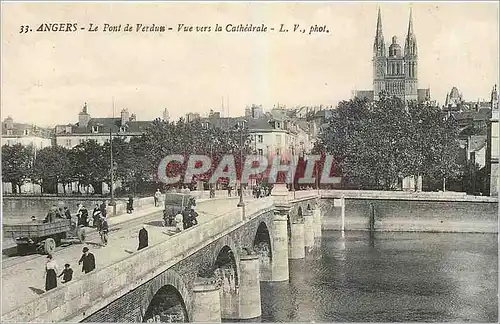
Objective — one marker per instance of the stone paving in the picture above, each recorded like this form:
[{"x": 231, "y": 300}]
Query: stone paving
[{"x": 24, "y": 281}]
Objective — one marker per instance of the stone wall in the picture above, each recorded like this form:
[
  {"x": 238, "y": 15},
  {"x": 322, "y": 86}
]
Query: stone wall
[
  {"x": 413, "y": 215},
  {"x": 19, "y": 209}
]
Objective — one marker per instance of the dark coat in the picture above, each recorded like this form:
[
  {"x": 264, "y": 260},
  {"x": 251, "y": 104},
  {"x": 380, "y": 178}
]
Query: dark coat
[
  {"x": 143, "y": 239},
  {"x": 102, "y": 207},
  {"x": 88, "y": 262}
]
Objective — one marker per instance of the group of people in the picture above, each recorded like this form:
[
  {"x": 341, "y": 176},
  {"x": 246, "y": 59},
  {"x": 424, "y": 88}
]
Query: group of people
[
  {"x": 260, "y": 191},
  {"x": 87, "y": 260},
  {"x": 186, "y": 219}
]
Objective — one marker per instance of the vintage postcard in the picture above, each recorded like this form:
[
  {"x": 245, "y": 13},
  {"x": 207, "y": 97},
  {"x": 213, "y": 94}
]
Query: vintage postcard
[{"x": 249, "y": 161}]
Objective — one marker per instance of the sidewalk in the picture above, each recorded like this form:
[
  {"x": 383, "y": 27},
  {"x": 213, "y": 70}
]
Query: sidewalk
[{"x": 24, "y": 281}]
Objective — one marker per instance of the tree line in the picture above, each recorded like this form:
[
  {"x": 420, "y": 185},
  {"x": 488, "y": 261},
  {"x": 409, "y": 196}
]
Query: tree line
[
  {"x": 135, "y": 162},
  {"x": 376, "y": 144}
]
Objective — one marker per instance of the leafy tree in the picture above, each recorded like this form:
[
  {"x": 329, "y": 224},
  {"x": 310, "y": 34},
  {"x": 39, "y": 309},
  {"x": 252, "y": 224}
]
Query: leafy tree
[
  {"x": 52, "y": 166},
  {"x": 90, "y": 165},
  {"x": 17, "y": 162},
  {"x": 375, "y": 144}
]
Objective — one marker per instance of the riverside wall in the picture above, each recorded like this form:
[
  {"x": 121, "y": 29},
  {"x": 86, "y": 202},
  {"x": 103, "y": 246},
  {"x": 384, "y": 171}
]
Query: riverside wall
[{"x": 412, "y": 214}]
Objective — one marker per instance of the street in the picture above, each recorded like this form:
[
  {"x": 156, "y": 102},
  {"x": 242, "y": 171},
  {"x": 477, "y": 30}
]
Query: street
[{"x": 23, "y": 278}]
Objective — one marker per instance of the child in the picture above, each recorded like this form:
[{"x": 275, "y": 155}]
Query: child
[{"x": 67, "y": 273}]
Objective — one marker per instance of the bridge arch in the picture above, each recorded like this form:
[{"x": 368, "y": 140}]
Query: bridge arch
[
  {"x": 263, "y": 247},
  {"x": 166, "y": 299},
  {"x": 226, "y": 252}
]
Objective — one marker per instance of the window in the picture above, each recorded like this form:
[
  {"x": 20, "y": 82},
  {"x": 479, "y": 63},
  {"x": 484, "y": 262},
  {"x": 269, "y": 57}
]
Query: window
[
  {"x": 68, "y": 129},
  {"x": 82, "y": 140},
  {"x": 95, "y": 129},
  {"x": 261, "y": 138},
  {"x": 278, "y": 139},
  {"x": 260, "y": 152},
  {"x": 26, "y": 132},
  {"x": 68, "y": 142},
  {"x": 278, "y": 151},
  {"x": 9, "y": 131},
  {"x": 123, "y": 129}
]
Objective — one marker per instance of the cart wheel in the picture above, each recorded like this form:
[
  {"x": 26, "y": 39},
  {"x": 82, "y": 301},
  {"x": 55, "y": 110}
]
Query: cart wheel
[{"x": 49, "y": 245}]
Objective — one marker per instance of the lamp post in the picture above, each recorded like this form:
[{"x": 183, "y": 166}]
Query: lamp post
[
  {"x": 112, "y": 173},
  {"x": 241, "y": 203},
  {"x": 293, "y": 177}
]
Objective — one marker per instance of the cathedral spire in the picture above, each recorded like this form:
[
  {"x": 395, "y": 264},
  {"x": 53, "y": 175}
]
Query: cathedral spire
[
  {"x": 379, "y": 43},
  {"x": 379, "y": 25},
  {"x": 410, "y": 24}
]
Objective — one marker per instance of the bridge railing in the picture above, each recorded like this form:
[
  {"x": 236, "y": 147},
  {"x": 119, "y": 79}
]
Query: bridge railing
[{"x": 70, "y": 302}]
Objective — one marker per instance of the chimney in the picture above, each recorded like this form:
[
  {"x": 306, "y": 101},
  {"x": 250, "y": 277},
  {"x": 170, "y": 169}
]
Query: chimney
[
  {"x": 125, "y": 117},
  {"x": 9, "y": 122},
  {"x": 83, "y": 117}
]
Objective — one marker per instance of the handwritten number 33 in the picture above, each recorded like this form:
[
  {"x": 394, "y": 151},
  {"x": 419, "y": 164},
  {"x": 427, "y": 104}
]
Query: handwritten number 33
[{"x": 24, "y": 29}]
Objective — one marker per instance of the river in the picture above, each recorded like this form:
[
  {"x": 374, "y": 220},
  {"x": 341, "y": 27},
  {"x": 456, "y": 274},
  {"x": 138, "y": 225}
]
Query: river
[{"x": 390, "y": 277}]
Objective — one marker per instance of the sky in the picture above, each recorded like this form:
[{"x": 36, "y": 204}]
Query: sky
[{"x": 48, "y": 76}]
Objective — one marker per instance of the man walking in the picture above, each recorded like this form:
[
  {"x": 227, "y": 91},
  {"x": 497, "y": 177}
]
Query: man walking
[
  {"x": 157, "y": 197},
  {"x": 143, "y": 238},
  {"x": 87, "y": 261}
]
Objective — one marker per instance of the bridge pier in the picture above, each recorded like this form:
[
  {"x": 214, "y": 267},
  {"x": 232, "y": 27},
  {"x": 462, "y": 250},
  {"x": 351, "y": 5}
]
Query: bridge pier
[
  {"x": 206, "y": 302},
  {"x": 249, "y": 287},
  {"x": 317, "y": 222},
  {"x": 308, "y": 229},
  {"x": 297, "y": 249},
  {"x": 279, "y": 262}
]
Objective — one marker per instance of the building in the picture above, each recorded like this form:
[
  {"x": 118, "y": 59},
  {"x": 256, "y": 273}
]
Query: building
[
  {"x": 395, "y": 72},
  {"x": 192, "y": 116},
  {"x": 99, "y": 129},
  {"x": 166, "y": 115},
  {"x": 254, "y": 111},
  {"x": 25, "y": 134}
]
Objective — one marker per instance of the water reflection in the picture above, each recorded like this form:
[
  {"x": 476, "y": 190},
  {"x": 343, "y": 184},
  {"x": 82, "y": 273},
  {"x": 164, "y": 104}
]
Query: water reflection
[{"x": 390, "y": 277}]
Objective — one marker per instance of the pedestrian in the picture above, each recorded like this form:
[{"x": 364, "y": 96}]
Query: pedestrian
[
  {"x": 87, "y": 260},
  {"x": 104, "y": 229},
  {"x": 193, "y": 217},
  {"x": 157, "y": 197},
  {"x": 60, "y": 213},
  {"x": 83, "y": 215},
  {"x": 143, "y": 238},
  {"x": 67, "y": 273},
  {"x": 67, "y": 213},
  {"x": 179, "y": 224},
  {"x": 96, "y": 216},
  {"x": 130, "y": 205},
  {"x": 50, "y": 273},
  {"x": 103, "y": 209},
  {"x": 229, "y": 189},
  {"x": 51, "y": 215}
]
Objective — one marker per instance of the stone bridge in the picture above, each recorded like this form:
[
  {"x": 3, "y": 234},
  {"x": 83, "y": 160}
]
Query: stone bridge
[{"x": 206, "y": 273}]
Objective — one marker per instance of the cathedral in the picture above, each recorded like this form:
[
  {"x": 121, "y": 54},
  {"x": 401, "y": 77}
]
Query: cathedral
[{"x": 395, "y": 71}]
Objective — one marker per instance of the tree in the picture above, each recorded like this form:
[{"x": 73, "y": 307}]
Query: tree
[
  {"x": 52, "y": 166},
  {"x": 17, "y": 162},
  {"x": 375, "y": 144},
  {"x": 89, "y": 164}
]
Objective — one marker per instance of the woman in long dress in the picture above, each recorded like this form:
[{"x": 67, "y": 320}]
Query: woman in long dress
[{"x": 50, "y": 273}]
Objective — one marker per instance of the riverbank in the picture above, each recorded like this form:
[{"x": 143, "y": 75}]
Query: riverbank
[{"x": 407, "y": 212}]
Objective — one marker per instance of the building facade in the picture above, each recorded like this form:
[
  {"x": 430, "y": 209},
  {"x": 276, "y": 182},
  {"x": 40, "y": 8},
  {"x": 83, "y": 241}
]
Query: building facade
[
  {"x": 395, "y": 70},
  {"x": 25, "y": 134},
  {"x": 99, "y": 129}
]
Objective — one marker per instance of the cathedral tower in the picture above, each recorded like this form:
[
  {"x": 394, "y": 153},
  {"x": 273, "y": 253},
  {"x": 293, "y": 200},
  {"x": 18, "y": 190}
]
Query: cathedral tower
[
  {"x": 379, "y": 59},
  {"x": 411, "y": 63}
]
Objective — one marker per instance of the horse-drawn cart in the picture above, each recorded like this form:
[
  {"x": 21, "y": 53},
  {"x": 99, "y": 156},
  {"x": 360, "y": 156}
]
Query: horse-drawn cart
[{"x": 44, "y": 236}]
